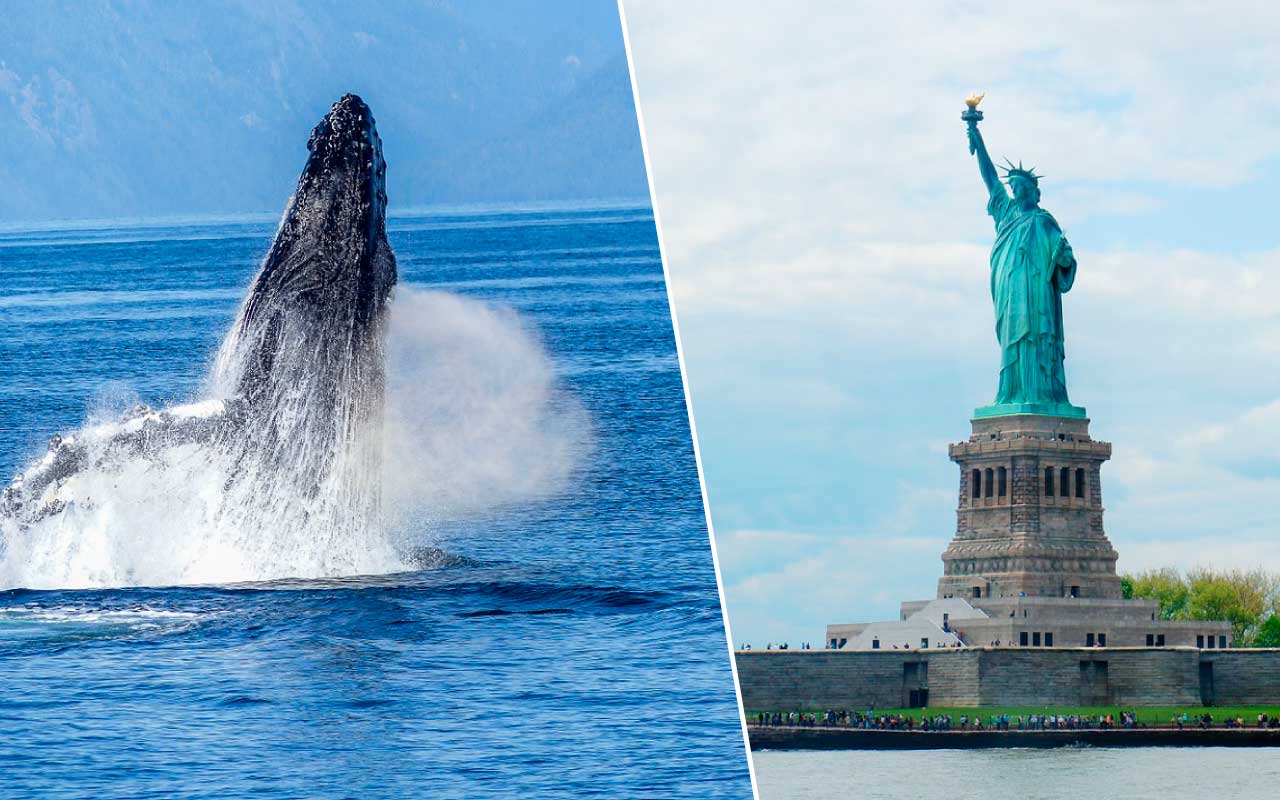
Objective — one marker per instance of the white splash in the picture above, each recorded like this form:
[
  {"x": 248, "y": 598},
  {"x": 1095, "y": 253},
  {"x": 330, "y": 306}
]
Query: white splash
[
  {"x": 476, "y": 417},
  {"x": 475, "y": 420}
]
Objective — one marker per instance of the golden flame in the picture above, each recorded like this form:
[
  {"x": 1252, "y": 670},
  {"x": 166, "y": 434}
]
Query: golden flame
[{"x": 972, "y": 100}]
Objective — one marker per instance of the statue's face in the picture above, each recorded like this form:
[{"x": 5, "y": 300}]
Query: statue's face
[{"x": 1024, "y": 191}]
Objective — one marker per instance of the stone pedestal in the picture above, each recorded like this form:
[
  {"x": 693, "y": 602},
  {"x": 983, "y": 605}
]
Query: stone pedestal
[{"x": 1029, "y": 521}]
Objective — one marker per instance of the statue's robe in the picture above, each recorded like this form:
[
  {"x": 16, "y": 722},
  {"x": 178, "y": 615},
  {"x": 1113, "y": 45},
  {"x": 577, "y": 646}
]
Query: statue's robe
[{"x": 1029, "y": 273}]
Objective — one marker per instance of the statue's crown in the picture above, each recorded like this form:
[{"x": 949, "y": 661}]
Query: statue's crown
[{"x": 1020, "y": 172}]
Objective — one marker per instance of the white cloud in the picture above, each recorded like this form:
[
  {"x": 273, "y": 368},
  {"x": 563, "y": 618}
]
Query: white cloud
[
  {"x": 1248, "y": 553},
  {"x": 814, "y": 580},
  {"x": 1252, "y": 436},
  {"x": 839, "y": 124}
]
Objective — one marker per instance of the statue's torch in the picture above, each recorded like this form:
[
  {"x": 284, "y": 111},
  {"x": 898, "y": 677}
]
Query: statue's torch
[{"x": 972, "y": 116}]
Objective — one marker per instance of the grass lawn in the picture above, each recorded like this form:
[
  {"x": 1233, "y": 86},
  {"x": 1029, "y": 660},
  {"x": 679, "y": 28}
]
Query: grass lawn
[{"x": 1148, "y": 715}]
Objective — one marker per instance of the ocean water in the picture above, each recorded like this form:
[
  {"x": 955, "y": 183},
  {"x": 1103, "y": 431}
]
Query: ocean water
[
  {"x": 1137, "y": 773},
  {"x": 566, "y": 639}
]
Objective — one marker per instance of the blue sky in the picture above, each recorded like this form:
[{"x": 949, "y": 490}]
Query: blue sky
[
  {"x": 154, "y": 108},
  {"x": 827, "y": 242}
]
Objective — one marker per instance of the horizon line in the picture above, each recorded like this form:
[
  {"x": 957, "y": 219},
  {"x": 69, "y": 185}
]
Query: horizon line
[{"x": 393, "y": 212}]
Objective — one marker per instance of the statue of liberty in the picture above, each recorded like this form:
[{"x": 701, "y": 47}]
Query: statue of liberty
[{"x": 1032, "y": 266}]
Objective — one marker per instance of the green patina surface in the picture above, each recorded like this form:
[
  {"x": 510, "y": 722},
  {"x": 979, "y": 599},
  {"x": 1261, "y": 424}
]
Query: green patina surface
[
  {"x": 1032, "y": 266},
  {"x": 1047, "y": 409}
]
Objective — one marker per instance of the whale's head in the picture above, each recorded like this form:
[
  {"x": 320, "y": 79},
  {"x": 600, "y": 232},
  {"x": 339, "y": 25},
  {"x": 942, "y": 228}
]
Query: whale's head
[
  {"x": 345, "y": 178},
  {"x": 325, "y": 284},
  {"x": 331, "y": 248}
]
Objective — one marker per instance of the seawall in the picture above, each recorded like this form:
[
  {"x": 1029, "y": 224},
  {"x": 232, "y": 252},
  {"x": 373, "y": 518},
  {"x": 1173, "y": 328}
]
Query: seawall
[
  {"x": 764, "y": 738},
  {"x": 1007, "y": 676}
]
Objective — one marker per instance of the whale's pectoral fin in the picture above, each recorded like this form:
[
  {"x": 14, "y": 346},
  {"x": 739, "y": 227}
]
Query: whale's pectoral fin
[
  {"x": 141, "y": 434},
  {"x": 24, "y": 498}
]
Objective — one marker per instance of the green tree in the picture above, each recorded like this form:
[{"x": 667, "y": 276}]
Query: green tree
[
  {"x": 1237, "y": 596},
  {"x": 1268, "y": 632},
  {"x": 1164, "y": 585},
  {"x": 1248, "y": 599}
]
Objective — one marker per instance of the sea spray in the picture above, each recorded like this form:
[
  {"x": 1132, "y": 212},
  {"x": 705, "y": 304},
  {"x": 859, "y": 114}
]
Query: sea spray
[{"x": 476, "y": 420}]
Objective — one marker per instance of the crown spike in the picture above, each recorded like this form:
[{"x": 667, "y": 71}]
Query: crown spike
[{"x": 1021, "y": 171}]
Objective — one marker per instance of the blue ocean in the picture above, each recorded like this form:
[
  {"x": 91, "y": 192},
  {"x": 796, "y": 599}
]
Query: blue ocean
[{"x": 560, "y": 633}]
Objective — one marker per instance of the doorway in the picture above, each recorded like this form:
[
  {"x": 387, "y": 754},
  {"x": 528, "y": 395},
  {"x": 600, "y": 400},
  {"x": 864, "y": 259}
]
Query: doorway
[
  {"x": 1095, "y": 686},
  {"x": 915, "y": 684},
  {"x": 1206, "y": 683}
]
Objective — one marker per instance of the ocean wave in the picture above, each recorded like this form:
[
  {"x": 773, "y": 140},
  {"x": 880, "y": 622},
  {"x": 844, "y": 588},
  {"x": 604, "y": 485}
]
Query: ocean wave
[
  {"x": 569, "y": 597},
  {"x": 40, "y": 626}
]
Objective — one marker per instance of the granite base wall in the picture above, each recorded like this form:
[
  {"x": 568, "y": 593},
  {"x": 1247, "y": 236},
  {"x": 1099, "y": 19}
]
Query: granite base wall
[
  {"x": 823, "y": 678},
  {"x": 1007, "y": 676},
  {"x": 1245, "y": 677}
]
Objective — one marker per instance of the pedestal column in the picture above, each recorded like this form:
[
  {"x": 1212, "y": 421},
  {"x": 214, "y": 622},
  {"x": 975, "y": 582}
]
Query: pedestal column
[{"x": 1029, "y": 518}]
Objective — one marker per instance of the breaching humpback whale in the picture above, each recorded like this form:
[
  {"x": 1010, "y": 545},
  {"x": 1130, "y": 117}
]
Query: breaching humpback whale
[{"x": 283, "y": 454}]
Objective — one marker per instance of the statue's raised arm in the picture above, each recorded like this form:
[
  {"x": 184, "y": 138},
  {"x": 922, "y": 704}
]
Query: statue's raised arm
[{"x": 979, "y": 148}]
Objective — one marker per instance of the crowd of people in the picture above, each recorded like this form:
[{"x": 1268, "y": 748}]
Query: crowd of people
[
  {"x": 1076, "y": 722},
  {"x": 870, "y": 720},
  {"x": 831, "y": 718},
  {"x": 1202, "y": 721},
  {"x": 772, "y": 646}
]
